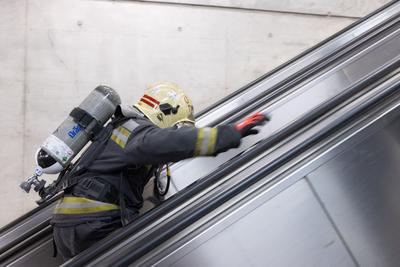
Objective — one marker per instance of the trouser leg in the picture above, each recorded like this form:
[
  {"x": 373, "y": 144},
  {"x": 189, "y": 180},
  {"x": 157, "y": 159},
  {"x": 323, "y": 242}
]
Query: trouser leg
[
  {"x": 71, "y": 240},
  {"x": 63, "y": 239}
]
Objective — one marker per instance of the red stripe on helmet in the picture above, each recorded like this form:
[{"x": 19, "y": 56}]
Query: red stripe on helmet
[
  {"x": 147, "y": 102},
  {"x": 151, "y": 99}
]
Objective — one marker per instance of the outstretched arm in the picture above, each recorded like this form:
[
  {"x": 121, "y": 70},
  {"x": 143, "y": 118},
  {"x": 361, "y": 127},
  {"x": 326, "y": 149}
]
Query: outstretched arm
[{"x": 152, "y": 145}]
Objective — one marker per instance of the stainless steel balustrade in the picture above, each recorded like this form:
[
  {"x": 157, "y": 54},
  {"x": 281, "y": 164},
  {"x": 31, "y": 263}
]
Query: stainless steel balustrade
[
  {"x": 316, "y": 210},
  {"x": 339, "y": 209},
  {"x": 302, "y": 100}
]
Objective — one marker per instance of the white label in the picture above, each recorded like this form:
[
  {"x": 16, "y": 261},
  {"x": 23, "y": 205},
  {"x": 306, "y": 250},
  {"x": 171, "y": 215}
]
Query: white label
[{"x": 58, "y": 148}]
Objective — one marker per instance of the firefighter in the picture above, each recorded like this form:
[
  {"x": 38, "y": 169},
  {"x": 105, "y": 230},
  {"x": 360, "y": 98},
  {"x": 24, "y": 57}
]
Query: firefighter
[{"x": 157, "y": 130}]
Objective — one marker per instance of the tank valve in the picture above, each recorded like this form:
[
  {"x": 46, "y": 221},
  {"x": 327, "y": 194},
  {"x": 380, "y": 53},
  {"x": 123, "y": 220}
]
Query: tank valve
[{"x": 34, "y": 181}]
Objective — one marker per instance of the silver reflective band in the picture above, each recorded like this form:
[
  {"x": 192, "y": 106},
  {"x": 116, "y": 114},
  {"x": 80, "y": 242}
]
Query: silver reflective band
[
  {"x": 206, "y": 140},
  {"x": 130, "y": 125}
]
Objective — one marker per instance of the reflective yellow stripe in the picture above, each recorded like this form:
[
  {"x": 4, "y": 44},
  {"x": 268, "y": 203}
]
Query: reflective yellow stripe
[
  {"x": 130, "y": 125},
  {"x": 118, "y": 141},
  {"x": 124, "y": 131},
  {"x": 212, "y": 141},
  {"x": 81, "y": 205},
  {"x": 168, "y": 171},
  {"x": 199, "y": 142},
  {"x": 120, "y": 136},
  {"x": 84, "y": 210}
]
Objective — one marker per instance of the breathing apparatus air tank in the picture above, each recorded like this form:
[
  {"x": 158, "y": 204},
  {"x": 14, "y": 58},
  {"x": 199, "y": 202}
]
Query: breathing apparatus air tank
[{"x": 83, "y": 123}]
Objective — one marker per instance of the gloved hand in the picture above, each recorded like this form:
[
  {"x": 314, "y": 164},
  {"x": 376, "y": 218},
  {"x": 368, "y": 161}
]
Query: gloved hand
[{"x": 246, "y": 127}]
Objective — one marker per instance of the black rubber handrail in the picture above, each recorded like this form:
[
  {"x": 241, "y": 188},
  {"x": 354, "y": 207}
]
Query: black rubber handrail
[
  {"x": 187, "y": 193},
  {"x": 44, "y": 233},
  {"x": 29, "y": 235},
  {"x": 138, "y": 248},
  {"x": 26, "y": 237},
  {"x": 25, "y": 216}
]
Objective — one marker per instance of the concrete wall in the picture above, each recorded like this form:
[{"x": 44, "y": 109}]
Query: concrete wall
[
  {"x": 54, "y": 52},
  {"x": 341, "y": 8}
]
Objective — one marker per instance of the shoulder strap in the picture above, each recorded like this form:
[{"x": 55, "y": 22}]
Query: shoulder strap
[
  {"x": 94, "y": 149},
  {"x": 128, "y": 112}
]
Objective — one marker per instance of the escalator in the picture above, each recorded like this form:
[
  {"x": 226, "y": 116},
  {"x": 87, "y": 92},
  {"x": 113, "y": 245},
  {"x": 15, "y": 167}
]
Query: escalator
[
  {"x": 284, "y": 193},
  {"x": 270, "y": 155},
  {"x": 341, "y": 67},
  {"x": 326, "y": 98}
]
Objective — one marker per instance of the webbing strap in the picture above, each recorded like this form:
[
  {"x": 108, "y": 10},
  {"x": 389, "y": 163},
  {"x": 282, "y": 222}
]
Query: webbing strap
[{"x": 83, "y": 118}]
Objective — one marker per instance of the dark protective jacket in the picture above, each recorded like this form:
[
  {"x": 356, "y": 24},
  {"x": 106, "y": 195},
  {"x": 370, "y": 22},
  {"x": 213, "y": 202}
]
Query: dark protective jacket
[{"x": 113, "y": 184}]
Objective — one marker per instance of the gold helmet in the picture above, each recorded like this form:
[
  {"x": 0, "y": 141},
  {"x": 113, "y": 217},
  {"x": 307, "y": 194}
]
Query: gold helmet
[{"x": 166, "y": 105}]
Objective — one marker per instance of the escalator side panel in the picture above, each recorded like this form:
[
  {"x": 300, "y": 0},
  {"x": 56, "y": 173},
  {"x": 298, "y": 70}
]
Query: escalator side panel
[
  {"x": 289, "y": 230},
  {"x": 360, "y": 190}
]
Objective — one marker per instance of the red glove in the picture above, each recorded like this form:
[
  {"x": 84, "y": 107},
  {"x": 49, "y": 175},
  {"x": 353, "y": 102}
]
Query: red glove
[{"x": 246, "y": 127}]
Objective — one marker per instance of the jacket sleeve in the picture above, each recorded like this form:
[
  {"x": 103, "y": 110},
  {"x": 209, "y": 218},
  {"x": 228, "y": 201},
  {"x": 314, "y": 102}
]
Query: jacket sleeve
[{"x": 152, "y": 145}]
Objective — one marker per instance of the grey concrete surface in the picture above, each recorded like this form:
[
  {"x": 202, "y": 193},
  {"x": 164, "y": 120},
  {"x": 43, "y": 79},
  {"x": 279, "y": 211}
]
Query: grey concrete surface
[
  {"x": 12, "y": 84},
  {"x": 54, "y": 52},
  {"x": 345, "y": 8}
]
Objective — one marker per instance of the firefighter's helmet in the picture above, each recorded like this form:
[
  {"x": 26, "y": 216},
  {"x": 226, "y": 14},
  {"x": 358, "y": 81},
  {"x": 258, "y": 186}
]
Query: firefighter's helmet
[{"x": 166, "y": 105}]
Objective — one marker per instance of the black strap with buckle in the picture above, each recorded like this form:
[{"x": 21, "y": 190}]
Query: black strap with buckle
[
  {"x": 84, "y": 119},
  {"x": 97, "y": 189}
]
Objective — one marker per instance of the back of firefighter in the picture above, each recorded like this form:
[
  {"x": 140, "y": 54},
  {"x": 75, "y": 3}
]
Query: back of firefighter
[{"x": 157, "y": 130}]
